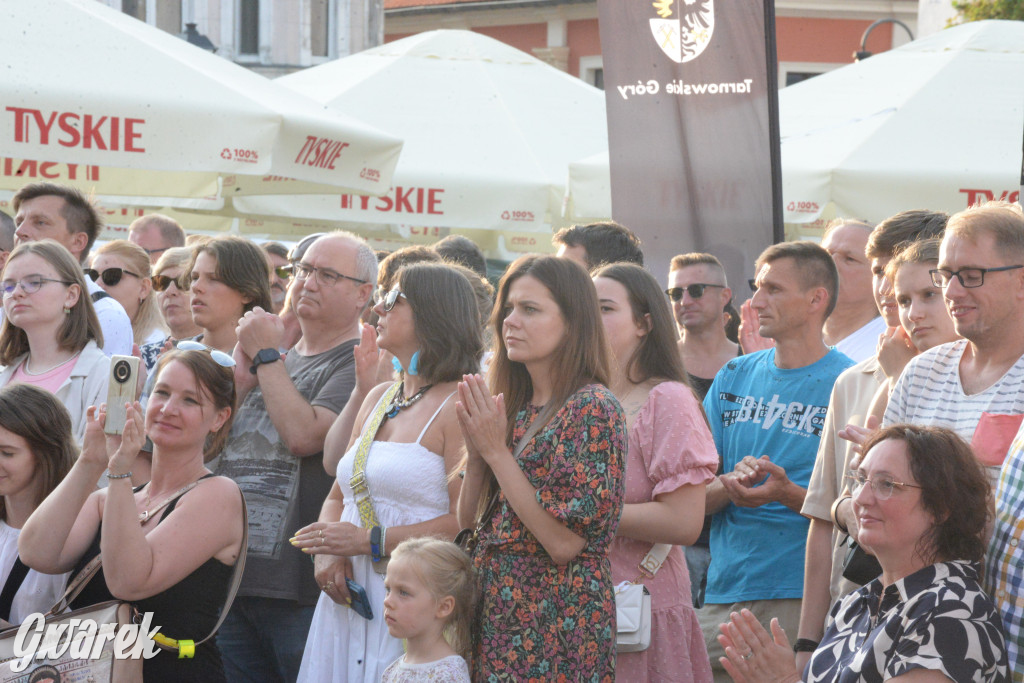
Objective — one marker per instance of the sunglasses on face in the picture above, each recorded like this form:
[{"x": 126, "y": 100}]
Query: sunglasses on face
[
  {"x": 110, "y": 276},
  {"x": 222, "y": 359},
  {"x": 283, "y": 272},
  {"x": 695, "y": 291},
  {"x": 387, "y": 301},
  {"x": 162, "y": 282}
]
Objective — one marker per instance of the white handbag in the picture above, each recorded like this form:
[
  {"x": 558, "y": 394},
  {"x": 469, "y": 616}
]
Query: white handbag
[{"x": 633, "y": 604}]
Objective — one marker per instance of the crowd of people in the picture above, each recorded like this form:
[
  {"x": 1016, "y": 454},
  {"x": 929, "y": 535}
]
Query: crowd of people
[{"x": 825, "y": 483}]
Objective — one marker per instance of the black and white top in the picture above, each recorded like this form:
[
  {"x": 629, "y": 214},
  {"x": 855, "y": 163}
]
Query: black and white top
[{"x": 937, "y": 618}]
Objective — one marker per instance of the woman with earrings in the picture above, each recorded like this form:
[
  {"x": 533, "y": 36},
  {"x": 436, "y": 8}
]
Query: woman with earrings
[
  {"x": 51, "y": 337},
  {"x": 670, "y": 459},
  {"x": 396, "y": 479},
  {"x": 543, "y": 486},
  {"x": 170, "y": 546},
  {"x": 122, "y": 270}
]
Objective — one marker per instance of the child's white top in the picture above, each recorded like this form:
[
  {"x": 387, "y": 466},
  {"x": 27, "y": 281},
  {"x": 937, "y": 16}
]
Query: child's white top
[{"x": 451, "y": 669}]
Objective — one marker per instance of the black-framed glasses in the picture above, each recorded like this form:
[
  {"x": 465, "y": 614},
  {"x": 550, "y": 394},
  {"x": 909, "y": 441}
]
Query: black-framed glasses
[
  {"x": 695, "y": 291},
  {"x": 883, "y": 486},
  {"x": 324, "y": 276},
  {"x": 110, "y": 276},
  {"x": 752, "y": 283},
  {"x": 968, "y": 277},
  {"x": 387, "y": 301},
  {"x": 162, "y": 282},
  {"x": 222, "y": 359},
  {"x": 283, "y": 272},
  {"x": 155, "y": 251},
  {"x": 29, "y": 285}
]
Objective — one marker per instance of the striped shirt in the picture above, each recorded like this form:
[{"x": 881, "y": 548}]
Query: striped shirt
[
  {"x": 929, "y": 392},
  {"x": 1004, "y": 566}
]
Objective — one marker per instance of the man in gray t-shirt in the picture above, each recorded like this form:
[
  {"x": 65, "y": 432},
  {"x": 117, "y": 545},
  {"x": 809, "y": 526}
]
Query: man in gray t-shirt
[{"x": 275, "y": 450}]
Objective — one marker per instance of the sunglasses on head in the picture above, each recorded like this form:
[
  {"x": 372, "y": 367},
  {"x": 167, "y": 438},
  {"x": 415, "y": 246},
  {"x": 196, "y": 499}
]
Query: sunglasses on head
[
  {"x": 222, "y": 359},
  {"x": 695, "y": 291},
  {"x": 162, "y": 282},
  {"x": 110, "y": 276}
]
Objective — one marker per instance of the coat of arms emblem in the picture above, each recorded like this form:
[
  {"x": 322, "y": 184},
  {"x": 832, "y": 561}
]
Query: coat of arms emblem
[{"x": 684, "y": 27}]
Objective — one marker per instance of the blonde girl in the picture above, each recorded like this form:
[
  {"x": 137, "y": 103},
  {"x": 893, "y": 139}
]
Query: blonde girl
[
  {"x": 122, "y": 270},
  {"x": 430, "y": 600}
]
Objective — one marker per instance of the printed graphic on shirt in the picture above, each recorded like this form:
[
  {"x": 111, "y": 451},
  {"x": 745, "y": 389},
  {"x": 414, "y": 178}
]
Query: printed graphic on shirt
[{"x": 791, "y": 417}]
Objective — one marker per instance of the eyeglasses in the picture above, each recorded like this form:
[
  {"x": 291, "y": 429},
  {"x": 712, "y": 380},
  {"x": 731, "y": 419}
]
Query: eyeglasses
[
  {"x": 695, "y": 291},
  {"x": 882, "y": 486},
  {"x": 29, "y": 285},
  {"x": 162, "y": 282},
  {"x": 283, "y": 272},
  {"x": 111, "y": 276},
  {"x": 222, "y": 359},
  {"x": 155, "y": 251},
  {"x": 324, "y": 276},
  {"x": 752, "y": 282},
  {"x": 387, "y": 301},
  {"x": 968, "y": 277}
]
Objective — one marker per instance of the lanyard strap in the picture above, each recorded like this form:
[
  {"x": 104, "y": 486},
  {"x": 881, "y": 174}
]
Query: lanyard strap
[{"x": 360, "y": 490}]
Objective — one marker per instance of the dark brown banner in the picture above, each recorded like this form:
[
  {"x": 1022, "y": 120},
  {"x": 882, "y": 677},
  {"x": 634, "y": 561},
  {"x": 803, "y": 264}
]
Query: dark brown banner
[{"x": 693, "y": 131}]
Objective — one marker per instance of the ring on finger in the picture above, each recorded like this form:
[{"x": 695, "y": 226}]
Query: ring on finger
[
  {"x": 747, "y": 656},
  {"x": 321, "y": 541},
  {"x": 321, "y": 533}
]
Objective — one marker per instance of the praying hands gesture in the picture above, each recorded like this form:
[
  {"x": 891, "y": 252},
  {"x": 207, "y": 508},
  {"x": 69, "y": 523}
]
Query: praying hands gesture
[{"x": 482, "y": 419}]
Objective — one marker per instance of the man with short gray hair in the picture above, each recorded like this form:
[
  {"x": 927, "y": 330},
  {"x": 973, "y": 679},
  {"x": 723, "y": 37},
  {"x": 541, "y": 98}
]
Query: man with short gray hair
[{"x": 275, "y": 449}]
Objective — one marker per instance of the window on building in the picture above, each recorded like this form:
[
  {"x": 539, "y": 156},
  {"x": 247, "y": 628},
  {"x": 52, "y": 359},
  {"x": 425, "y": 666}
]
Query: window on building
[
  {"x": 794, "y": 77},
  {"x": 592, "y": 71},
  {"x": 134, "y": 8},
  {"x": 320, "y": 27},
  {"x": 168, "y": 16},
  {"x": 249, "y": 27}
]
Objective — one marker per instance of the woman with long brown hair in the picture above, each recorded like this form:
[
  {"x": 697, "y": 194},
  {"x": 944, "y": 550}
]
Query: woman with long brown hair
[
  {"x": 670, "y": 460},
  {"x": 544, "y": 481}
]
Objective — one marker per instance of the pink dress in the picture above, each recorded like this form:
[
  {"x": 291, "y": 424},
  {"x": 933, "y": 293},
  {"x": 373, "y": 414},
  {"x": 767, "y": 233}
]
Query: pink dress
[{"x": 669, "y": 446}]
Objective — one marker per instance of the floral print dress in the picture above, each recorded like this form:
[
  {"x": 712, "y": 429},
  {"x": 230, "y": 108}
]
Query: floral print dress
[{"x": 537, "y": 621}]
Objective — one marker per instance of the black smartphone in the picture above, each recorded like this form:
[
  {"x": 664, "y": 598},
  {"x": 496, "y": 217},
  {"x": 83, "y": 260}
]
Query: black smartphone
[{"x": 360, "y": 603}]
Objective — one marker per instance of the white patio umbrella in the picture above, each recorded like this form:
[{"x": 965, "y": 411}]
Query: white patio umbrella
[
  {"x": 89, "y": 92},
  {"x": 936, "y": 123},
  {"x": 489, "y": 133}
]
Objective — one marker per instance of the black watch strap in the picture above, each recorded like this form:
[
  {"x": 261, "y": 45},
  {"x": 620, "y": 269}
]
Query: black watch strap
[
  {"x": 263, "y": 357},
  {"x": 805, "y": 645}
]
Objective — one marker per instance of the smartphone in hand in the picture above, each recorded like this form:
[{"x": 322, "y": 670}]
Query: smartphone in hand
[
  {"x": 122, "y": 388},
  {"x": 360, "y": 602}
]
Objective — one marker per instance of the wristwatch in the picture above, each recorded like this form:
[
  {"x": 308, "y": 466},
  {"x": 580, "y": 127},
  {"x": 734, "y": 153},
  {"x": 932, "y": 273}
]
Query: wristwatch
[
  {"x": 263, "y": 357},
  {"x": 376, "y": 549}
]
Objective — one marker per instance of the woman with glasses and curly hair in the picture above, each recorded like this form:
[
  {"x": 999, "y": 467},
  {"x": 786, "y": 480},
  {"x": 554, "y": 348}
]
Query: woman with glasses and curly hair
[{"x": 922, "y": 505}]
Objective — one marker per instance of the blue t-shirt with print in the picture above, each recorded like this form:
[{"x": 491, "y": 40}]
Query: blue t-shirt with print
[{"x": 756, "y": 408}]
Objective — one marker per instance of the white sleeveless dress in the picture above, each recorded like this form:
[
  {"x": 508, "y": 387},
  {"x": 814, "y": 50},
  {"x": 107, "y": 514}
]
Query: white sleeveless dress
[{"x": 408, "y": 485}]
